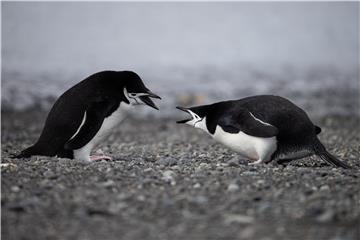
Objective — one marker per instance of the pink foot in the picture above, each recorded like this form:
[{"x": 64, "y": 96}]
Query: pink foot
[{"x": 100, "y": 157}]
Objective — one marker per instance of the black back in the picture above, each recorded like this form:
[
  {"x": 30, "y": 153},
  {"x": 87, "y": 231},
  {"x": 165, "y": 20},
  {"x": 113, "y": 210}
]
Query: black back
[{"x": 289, "y": 119}]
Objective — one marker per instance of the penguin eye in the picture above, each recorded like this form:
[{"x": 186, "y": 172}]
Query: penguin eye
[{"x": 132, "y": 94}]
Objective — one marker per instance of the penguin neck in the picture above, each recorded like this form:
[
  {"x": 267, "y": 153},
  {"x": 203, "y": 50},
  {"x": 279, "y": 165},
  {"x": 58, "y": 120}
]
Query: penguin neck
[{"x": 202, "y": 125}]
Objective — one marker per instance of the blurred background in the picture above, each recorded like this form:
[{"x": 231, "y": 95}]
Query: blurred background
[{"x": 189, "y": 53}]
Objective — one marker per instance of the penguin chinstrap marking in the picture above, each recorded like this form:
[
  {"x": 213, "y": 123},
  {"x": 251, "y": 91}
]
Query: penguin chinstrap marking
[
  {"x": 86, "y": 113},
  {"x": 261, "y": 128}
]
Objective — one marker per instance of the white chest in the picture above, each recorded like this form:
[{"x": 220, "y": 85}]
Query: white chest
[
  {"x": 251, "y": 147},
  {"x": 108, "y": 124},
  {"x": 112, "y": 121}
]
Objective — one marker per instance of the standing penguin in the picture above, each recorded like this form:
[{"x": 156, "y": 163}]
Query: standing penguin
[
  {"x": 261, "y": 128},
  {"x": 86, "y": 113}
]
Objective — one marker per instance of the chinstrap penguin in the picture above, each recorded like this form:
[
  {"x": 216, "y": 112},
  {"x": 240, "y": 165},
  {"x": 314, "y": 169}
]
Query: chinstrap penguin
[
  {"x": 261, "y": 128},
  {"x": 86, "y": 113}
]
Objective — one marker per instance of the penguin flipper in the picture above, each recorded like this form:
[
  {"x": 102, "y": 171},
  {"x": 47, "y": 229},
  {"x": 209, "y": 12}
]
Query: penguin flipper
[
  {"x": 95, "y": 116},
  {"x": 246, "y": 122}
]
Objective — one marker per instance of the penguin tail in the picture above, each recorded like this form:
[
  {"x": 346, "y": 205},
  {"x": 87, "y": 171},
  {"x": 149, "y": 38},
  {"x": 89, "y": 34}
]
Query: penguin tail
[
  {"x": 28, "y": 152},
  {"x": 321, "y": 151}
]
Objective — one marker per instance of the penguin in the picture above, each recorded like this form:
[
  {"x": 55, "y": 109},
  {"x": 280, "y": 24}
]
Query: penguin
[
  {"x": 86, "y": 113},
  {"x": 262, "y": 129}
]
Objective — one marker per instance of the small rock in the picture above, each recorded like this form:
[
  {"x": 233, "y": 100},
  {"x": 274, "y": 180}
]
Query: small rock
[
  {"x": 175, "y": 168},
  {"x": 233, "y": 187},
  {"x": 199, "y": 199},
  {"x": 168, "y": 176},
  {"x": 141, "y": 198},
  {"x": 260, "y": 182},
  {"x": 247, "y": 233},
  {"x": 238, "y": 218},
  {"x": 234, "y": 162},
  {"x": 15, "y": 189},
  {"x": 117, "y": 207},
  {"x": 50, "y": 174},
  {"x": 324, "y": 188},
  {"x": 204, "y": 165},
  {"x": 197, "y": 185},
  {"x": 247, "y": 173},
  {"x": 326, "y": 216},
  {"x": 168, "y": 161},
  {"x": 8, "y": 166},
  {"x": 108, "y": 183},
  {"x": 148, "y": 170}
]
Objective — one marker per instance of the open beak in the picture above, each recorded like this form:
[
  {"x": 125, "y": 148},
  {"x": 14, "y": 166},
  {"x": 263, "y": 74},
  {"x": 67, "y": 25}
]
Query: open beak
[
  {"x": 147, "y": 99},
  {"x": 185, "y": 120}
]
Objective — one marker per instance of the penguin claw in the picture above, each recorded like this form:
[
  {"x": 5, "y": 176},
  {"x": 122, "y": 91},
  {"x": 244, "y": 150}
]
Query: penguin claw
[{"x": 101, "y": 157}]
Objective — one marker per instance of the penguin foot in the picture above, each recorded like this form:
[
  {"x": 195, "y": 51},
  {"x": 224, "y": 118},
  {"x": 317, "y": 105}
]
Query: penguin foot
[{"x": 100, "y": 157}]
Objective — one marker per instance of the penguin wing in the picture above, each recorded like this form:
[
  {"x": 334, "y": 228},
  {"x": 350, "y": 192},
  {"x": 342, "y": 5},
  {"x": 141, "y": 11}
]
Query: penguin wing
[
  {"x": 246, "y": 122},
  {"x": 94, "y": 118}
]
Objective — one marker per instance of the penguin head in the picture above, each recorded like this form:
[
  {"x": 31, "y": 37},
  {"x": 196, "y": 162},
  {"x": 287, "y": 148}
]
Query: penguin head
[
  {"x": 197, "y": 117},
  {"x": 136, "y": 93}
]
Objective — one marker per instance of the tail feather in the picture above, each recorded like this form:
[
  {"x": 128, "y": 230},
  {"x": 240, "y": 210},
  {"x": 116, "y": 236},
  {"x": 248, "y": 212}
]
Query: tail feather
[{"x": 328, "y": 157}]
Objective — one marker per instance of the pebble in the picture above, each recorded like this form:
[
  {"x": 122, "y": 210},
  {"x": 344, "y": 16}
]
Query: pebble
[
  {"x": 168, "y": 176},
  {"x": 247, "y": 233},
  {"x": 8, "y": 166},
  {"x": 148, "y": 170},
  {"x": 324, "y": 188},
  {"x": 197, "y": 185},
  {"x": 117, "y": 207},
  {"x": 233, "y": 187},
  {"x": 199, "y": 199},
  {"x": 167, "y": 161},
  {"x": 108, "y": 183},
  {"x": 326, "y": 216},
  {"x": 238, "y": 218},
  {"x": 247, "y": 173},
  {"x": 15, "y": 189},
  {"x": 175, "y": 168},
  {"x": 234, "y": 162},
  {"x": 141, "y": 198},
  {"x": 49, "y": 174}
]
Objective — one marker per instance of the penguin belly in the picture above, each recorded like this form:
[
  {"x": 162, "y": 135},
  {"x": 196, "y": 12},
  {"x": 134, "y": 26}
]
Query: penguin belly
[
  {"x": 254, "y": 148},
  {"x": 108, "y": 124}
]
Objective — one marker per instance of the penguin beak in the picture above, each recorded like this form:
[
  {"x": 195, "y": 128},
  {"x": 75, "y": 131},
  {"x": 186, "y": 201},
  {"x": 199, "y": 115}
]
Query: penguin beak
[
  {"x": 146, "y": 99},
  {"x": 153, "y": 95},
  {"x": 184, "y": 110}
]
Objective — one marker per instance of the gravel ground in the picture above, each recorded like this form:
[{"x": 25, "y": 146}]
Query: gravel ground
[{"x": 173, "y": 182}]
